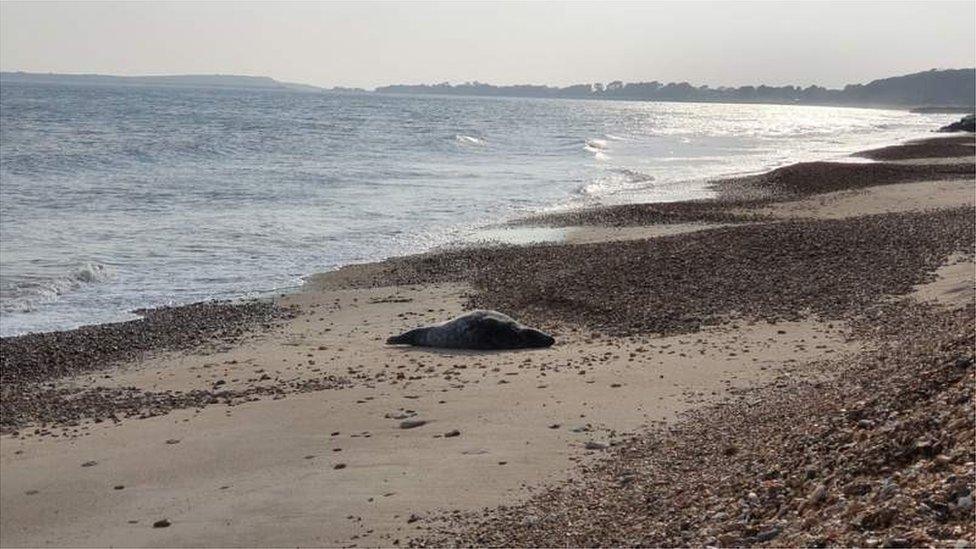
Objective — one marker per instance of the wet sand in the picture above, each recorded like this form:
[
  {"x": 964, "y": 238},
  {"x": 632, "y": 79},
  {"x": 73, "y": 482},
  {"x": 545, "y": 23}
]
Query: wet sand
[{"x": 288, "y": 430}]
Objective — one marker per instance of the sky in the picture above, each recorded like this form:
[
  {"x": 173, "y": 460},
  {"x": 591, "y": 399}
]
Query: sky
[{"x": 368, "y": 44}]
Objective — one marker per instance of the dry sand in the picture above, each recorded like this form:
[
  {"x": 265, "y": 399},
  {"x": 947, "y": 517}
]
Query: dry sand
[
  {"x": 954, "y": 285},
  {"x": 261, "y": 473},
  {"x": 901, "y": 197}
]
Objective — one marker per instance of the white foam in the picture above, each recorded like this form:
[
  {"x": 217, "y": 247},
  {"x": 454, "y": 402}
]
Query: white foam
[
  {"x": 29, "y": 293},
  {"x": 616, "y": 181},
  {"x": 468, "y": 140},
  {"x": 92, "y": 273},
  {"x": 598, "y": 147}
]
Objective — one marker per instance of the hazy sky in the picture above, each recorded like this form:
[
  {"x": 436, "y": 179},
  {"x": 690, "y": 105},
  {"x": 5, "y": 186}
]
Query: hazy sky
[{"x": 370, "y": 44}]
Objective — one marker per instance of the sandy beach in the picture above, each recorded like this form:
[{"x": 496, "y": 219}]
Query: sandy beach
[{"x": 790, "y": 363}]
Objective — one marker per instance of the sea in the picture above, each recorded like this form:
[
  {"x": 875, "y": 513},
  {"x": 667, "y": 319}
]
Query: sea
[{"x": 116, "y": 198}]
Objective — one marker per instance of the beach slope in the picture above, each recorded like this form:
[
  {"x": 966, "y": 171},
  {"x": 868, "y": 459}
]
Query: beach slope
[{"x": 790, "y": 363}]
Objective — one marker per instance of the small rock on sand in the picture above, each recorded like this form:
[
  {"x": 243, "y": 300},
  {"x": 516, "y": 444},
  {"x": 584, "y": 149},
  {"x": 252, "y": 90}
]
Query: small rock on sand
[
  {"x": 452, "y": 433},
  {"x": 163, "y": 523},
  {"x": 411, "y": 423},
  {"x": 965, "y": 503}
]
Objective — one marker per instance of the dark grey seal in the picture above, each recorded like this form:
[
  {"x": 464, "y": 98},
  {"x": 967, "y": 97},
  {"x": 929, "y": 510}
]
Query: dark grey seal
[{"x": 483, "y": 330}]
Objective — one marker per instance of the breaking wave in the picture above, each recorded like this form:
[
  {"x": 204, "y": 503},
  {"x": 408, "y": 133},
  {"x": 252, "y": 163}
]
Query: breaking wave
[
  {"x": 598, "y": 147},
  {"x": 468, "y": 140},
  {"x": 616, "y": 181},
  {"x": 26, "y": 293}
]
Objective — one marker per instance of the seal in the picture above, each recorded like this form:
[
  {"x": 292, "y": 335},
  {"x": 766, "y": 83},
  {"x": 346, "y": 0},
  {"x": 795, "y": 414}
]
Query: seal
[{"x": 483, "y": 330}]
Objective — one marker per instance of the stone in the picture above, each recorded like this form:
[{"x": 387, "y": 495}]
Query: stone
[
  {"x": 965, "y": 503},
  {"x": 818, "y": 494},
  {"x": 964, "y": 124},
  {"x": 767, "y": 535}
]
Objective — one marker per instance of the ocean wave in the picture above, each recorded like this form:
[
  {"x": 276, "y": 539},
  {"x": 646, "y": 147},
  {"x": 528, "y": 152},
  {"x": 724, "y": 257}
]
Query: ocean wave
[
  {"x": 92, "y": 273},
  {"x": 635, "y": 176},
  {"x": 468, "y": 140},
  {"x": 616, "y": 181},
  {"x": 596, "y": 145},
  {"x": 28, "y": 292}
]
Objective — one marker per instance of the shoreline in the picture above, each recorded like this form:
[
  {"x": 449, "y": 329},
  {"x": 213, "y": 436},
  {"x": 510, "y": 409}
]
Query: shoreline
[
  {"x": 219, "y": 324},
  {"x": 651, "y": 331},
  {"x": 530, "y": 220}
]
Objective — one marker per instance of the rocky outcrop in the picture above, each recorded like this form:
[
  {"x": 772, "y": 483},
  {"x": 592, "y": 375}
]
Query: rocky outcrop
[{"x": 965, "y": 124}]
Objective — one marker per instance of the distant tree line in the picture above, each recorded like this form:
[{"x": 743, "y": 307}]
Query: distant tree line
[
  {"x": 956, "y": 87},
  {"x": 940, "y": 90}
]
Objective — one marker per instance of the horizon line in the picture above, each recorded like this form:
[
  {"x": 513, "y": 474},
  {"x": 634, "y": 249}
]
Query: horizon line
[{"x": 448, "y": 82}]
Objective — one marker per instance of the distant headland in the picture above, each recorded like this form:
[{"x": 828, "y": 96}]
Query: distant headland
[
  {"x": 933, "y": 90},
  {"x": 176, "y": 81},
  {"x": 228, "y": 81}
]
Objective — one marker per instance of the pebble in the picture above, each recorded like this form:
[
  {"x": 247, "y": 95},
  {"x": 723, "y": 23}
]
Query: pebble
[
  {"x": 965, "y": 503},
  {"x": 767, "y": 535},
  {"x": 818, "y": 494}
]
